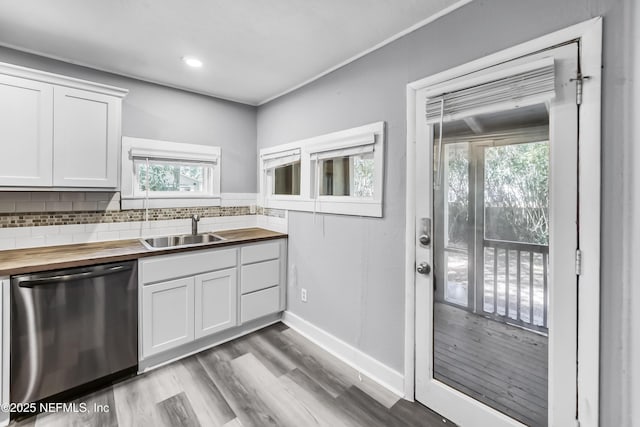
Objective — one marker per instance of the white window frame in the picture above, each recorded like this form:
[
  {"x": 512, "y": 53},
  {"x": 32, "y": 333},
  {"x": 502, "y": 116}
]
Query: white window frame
[
  {"x": 309, "y": 200},
  {"x": 267, "y": 175},
  {"x": 135, "y": 149}
]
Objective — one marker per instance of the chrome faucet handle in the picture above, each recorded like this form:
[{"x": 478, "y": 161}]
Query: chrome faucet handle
[{"x": 195, "y": 217}]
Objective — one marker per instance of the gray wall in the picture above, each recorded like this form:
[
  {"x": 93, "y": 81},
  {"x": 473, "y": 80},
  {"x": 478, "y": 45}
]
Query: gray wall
[
  {"x": 353, "y": 267},
  {"x": 158, "y": 112}
]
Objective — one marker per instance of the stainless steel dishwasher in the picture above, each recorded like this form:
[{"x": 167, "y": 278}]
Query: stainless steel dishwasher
[{"x": 72, "y": 328}]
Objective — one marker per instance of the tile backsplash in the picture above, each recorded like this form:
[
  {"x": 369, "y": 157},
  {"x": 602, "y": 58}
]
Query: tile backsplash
[
  {"x": 58, "y": 201},
  {"x": 31, "y": 219},
  {"x": 37, "y": 219}
]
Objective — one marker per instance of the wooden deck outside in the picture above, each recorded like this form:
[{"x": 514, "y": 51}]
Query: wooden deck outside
[{"x": 500, "y": 365}]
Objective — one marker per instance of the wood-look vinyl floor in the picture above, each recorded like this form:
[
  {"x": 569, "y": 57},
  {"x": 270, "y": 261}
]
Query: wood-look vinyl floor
[
  {"x": 500, "y": 365},
  {"x": 272, "y": 377}
]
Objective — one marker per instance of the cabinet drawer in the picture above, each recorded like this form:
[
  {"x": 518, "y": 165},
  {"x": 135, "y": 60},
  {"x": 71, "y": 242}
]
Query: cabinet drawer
[
  {"x": 261, "y": 252},
  {"x": 260, "y": 303},
  {"x": 159, "y": 268},
  {"x": 260, "y": 276}
]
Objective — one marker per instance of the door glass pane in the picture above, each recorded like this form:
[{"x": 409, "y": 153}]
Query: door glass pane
[
  {"x": 456, "y": 223},
  {"x": 491, "y": 247},
  {"x": 516, "y": 188}
]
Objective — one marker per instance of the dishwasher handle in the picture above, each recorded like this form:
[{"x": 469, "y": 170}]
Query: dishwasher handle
[{"x": 30, "y": 283}]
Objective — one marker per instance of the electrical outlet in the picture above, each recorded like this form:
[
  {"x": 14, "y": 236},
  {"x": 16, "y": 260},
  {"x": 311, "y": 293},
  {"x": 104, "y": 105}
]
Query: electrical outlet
[{"x": 303, "y": 295}]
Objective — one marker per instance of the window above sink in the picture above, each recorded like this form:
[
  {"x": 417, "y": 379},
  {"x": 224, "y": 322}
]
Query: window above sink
[{"x": 162, "y": 174}]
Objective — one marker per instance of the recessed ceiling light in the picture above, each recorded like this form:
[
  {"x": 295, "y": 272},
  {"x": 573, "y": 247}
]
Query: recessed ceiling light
[{"x": 192, "y": 62}]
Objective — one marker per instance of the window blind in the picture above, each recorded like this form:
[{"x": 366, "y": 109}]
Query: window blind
[
  {"x": 345, "y": 152},
  {"x": 520, "y": 86},
  {"x": 283, "y": 158},
  {"x": 351, "y": 147},
  {"x": 170, "y": 155}
]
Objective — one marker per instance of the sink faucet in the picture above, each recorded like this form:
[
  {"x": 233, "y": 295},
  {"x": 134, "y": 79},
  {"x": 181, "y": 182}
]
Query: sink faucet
[{"x": 194, "y": 223}]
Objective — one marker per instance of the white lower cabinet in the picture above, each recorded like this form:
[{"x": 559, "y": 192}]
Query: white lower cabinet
[
  {"x": 195, "y": 295},
  {"x": 260, "y": 303},
  {"x": 216, "y": 301},
  {"x": 167, "y": 309}
]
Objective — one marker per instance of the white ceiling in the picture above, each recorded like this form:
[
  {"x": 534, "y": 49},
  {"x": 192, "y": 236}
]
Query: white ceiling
[{"x": 252, "y": 50}]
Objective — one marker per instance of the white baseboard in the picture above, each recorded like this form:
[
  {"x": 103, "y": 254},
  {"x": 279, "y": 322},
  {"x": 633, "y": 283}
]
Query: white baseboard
[{"x": 360, "y": 361}]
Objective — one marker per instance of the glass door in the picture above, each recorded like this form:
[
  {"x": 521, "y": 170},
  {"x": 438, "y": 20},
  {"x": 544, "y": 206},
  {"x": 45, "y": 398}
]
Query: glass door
[
  {"x": 490, "y": 257},
  {"x": 496, "y": 322}
]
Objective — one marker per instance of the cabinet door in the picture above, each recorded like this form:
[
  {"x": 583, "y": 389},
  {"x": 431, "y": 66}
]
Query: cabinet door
[
  {"x": 215, "y": 302},
  {"x": 86, "y": 139},
  {"x": 167, "y": 315},
  {"x": 26, "y": 132}
]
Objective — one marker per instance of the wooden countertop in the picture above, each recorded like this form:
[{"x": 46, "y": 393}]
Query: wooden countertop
[{"x": 20, "y": 261}]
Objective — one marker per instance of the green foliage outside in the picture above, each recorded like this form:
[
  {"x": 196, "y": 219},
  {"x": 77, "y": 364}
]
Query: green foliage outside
[
  {"x": 170, "y": 177},
  {"x": 516, "y": 193},
  {"x": 363, "y": 176}
]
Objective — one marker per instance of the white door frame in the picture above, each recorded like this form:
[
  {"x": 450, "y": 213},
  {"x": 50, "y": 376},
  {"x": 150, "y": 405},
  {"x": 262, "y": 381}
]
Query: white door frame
[{"x": 589, "y": 35}]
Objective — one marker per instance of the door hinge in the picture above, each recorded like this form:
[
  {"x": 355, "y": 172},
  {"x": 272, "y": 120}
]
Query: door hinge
[
  {"x": 579, "y": 86},
  {"x": 578, "y": 262}
]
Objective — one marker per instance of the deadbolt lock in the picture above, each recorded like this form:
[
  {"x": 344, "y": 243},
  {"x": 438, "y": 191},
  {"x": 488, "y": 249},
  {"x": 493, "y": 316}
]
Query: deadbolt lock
[
  {"x": 423, "y": 268},
  {"x": 425, "y": 240}
]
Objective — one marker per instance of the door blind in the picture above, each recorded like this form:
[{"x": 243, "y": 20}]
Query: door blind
[{"x": 496, "y": 92}]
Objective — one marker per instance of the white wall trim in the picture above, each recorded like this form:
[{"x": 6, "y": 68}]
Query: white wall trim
[
  {"x": 589, "y": 33},
  {"x": 410, "y": 252},
  {"x": 161, "y": 202},
  {"x": 225, "y": 200},
  {"x": 631, "y": 268},
  {"x": 123, "y": 74},
  {"x": 60, "y": 80},
  {"x": 273, "y": 223},
  {"x": 357, "y": 359},
  {"x": 365, "y": 52}
]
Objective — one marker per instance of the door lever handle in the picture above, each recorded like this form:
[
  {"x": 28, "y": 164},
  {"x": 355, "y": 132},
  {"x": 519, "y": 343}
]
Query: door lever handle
[{"x": 423, "y": 268}]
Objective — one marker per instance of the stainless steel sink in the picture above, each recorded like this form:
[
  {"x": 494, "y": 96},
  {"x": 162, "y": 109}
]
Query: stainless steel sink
[{"x": 180, "y": 240}]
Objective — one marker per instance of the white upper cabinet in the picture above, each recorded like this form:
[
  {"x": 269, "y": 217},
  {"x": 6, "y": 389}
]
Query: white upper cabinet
[
  {"x": 85, "y": 140},
  {"x": 26, "y": 132},
  {"x": 58, "y": 131}
]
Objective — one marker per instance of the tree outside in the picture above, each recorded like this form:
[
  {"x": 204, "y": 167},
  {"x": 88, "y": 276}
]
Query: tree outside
[
  {"x": 516, "y": 193},
  {"x": 171, "y": 177}
]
